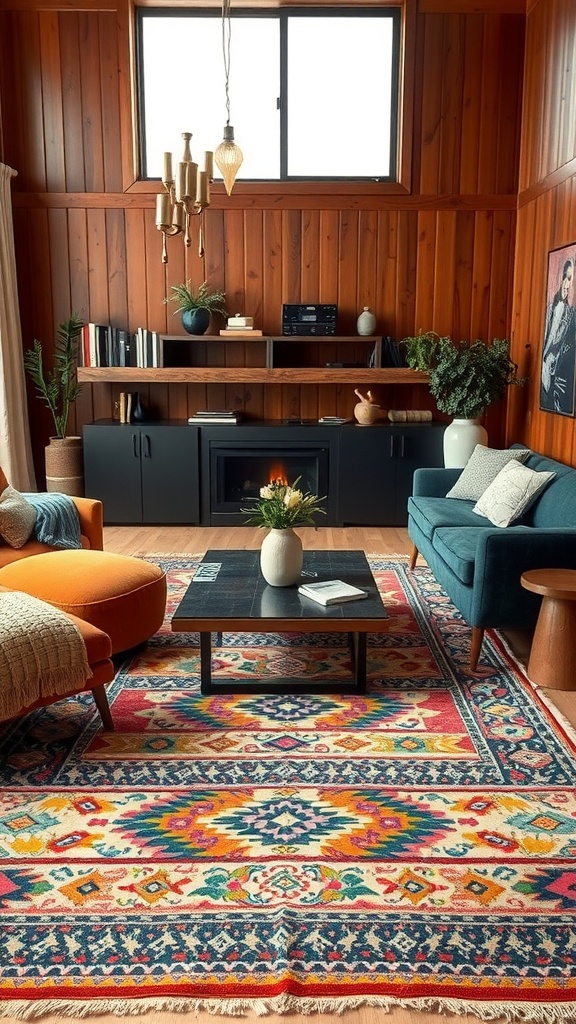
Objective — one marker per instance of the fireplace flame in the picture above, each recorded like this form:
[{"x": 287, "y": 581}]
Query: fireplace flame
[{"x": 278, "y": 474}]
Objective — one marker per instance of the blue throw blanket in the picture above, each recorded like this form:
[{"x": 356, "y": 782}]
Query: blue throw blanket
[{"x": 57, "y": 520}]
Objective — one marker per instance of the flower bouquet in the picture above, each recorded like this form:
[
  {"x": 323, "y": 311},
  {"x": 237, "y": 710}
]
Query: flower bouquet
[{"x": 282, "y": 506}]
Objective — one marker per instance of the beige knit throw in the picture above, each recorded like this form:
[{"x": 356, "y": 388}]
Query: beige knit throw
[{"x": 41, "y": 652}]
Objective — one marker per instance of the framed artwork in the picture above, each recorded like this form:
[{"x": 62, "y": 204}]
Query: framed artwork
[{"x": 559, "y": 344}]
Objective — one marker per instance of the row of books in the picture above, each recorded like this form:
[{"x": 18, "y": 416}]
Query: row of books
[{"x": 104, "y": 345}]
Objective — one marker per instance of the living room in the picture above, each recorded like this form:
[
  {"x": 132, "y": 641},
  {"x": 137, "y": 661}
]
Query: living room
[{"x": 458, "y": 245}]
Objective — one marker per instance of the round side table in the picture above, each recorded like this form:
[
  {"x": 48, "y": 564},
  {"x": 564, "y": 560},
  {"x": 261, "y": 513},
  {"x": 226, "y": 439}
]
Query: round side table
[{"x": 553, "y": 655}]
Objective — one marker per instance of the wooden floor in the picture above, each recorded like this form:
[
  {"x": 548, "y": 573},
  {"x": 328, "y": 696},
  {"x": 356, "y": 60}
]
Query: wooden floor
[{"x": 372, "y": 540}]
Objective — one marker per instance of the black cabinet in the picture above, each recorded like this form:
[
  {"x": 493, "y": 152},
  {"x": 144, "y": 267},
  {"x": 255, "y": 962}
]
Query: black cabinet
[
  {"x": 145, "y": 473},
  {"x": 377, "y": 464}
]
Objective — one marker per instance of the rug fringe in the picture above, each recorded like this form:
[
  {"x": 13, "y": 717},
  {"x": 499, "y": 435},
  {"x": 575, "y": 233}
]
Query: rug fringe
[{"x": 511, "y": 1012}]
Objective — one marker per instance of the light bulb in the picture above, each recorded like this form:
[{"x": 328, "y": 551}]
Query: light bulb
[{"x": 228, "y": 158}]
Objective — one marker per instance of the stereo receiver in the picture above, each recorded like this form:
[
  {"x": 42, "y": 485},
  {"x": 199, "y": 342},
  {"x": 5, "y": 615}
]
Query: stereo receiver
[{"x": 318, "y": 319}]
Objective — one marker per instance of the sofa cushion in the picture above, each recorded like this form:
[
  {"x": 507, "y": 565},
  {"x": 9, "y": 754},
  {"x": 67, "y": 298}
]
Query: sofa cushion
[
  {"x": 17, "y": 518},
  {"x": 512, "y": 492},
  {"x": 431, "y": 513},
  {"x": 556, "y": 505},
  {"x": 457, "y": 547},
  {"x": 481, "y": 469}
]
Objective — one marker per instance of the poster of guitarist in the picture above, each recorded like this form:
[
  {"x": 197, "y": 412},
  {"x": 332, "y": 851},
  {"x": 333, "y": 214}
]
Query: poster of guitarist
[{"x": 559, "y": 347}]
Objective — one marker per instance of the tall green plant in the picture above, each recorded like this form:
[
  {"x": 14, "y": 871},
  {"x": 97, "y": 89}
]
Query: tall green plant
[{"x": 58, "y": 388}]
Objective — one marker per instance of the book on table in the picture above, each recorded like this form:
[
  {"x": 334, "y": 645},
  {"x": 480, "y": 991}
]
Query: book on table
[
  {"x": 331, "y": 592},
  {"x": 217, "y": 416}
]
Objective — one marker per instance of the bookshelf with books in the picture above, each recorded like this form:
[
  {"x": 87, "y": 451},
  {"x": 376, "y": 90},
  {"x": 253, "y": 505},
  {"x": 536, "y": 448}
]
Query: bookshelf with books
[{"x": 273, "y": 359}]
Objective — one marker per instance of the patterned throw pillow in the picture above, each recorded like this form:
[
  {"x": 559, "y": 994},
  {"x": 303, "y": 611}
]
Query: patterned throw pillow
[
  {"x": 17, "y": 518},
  {"x": 511, "y": 493},
  {"x": 481, "y": 469}
]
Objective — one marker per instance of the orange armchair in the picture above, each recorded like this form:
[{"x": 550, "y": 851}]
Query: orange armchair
[
  {"x": 91, "y": 518},
  {"x": 98, "y": 650}
]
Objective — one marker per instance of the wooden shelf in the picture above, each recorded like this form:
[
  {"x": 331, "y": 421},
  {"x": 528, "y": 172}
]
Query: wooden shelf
[{"x": 248, "y": 375}]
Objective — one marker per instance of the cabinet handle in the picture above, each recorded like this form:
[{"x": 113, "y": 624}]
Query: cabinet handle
[
  {"x": 392, "y": 445},
  {"x": 403, "y": 447},
  {"x": 146, "y": 446},
  {"x": 135, "y": 446}
]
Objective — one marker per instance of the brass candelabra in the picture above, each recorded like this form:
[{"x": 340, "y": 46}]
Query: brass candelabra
[{"x": 186, "y": 194}]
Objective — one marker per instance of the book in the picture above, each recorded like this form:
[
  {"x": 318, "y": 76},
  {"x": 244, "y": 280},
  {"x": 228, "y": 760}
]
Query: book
[
  {"x": 331, "y": 592},
  {"x": 240, "y": 332},
  {"x": 213, "y": 419},
  {"x": 334, "y": 420}
]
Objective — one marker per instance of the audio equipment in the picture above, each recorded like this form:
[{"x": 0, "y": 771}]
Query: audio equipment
[{"x": 318, "y": 319}]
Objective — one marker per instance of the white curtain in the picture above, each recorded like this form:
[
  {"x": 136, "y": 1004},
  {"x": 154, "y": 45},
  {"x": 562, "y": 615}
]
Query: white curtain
[{"x": 15, "y": 448}]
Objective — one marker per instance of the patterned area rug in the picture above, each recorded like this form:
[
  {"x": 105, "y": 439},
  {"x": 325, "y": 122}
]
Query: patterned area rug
[{"x": 414, "y": 846}]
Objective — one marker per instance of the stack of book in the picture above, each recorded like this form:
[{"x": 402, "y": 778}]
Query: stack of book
[
  {"x": 240, "y": 327},
  {"x": 215, "y": 416}
]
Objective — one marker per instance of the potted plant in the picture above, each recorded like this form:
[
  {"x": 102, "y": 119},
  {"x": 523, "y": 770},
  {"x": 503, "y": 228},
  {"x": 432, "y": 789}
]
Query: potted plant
[
  {"x": 58, "y": 388},
  {"x": 280, "y": 507},
  {"x": 464, "y": 379},
  {"x": 198, "y": 306}
]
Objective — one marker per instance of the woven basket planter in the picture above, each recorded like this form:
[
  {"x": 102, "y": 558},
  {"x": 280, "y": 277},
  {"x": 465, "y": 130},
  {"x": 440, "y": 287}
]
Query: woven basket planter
[{"x": 65, "y": 465}]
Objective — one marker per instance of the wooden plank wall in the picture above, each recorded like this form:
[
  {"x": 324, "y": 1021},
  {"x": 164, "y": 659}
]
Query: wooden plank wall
[
  {"x": 439, "y": 257},
  {"x": 547, "y": 212}
]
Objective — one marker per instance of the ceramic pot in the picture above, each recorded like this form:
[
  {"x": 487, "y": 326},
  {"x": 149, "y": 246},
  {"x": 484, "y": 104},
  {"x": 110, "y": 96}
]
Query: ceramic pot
[
  {"x": 460, "y": 439},
  {"x": 64, "y": 466},
  {"x": 196, "y": 321},
  {"x": 281, "y": 558},
  {"x": 366, "y": 323},
  {"x": 367, "y": 413}
]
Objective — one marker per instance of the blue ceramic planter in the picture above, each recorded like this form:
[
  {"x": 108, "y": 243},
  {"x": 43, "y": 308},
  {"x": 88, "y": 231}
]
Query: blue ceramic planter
[{"x": 196, "y": 321}]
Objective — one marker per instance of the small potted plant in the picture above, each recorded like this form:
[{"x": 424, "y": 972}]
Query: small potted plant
[
  {"x": 280, "y": 507},
  {"x": 59, "y": 388},
  {"x": 197, "y": 306}
]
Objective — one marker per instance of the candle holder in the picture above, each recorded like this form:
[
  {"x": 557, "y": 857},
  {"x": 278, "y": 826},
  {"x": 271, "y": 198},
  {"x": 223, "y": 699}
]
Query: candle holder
[{"x": 186, "y": 194}]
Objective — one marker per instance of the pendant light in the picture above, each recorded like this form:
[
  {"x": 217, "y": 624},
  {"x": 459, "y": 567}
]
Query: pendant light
[{"x": 228, "y": 156}]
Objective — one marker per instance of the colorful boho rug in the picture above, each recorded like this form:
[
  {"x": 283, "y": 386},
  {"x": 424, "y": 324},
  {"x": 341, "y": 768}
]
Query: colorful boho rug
[{"x": 414, "y": 846}]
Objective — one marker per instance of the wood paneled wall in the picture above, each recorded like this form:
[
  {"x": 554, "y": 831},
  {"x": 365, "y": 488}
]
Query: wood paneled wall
[
  {"x": 439, "y": 255},
  {"x": 546, "y": 214}
]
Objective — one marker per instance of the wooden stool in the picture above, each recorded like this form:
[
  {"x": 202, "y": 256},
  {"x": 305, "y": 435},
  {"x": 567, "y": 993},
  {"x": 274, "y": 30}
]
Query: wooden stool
[{"x": 553, "y": 655}]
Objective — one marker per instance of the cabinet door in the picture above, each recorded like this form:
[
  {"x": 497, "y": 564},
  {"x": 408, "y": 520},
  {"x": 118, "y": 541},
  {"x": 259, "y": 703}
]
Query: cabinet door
[
  {"x": 366, "y": 492},
  {"x": 170, "y": 474},
  {"x": 414, "y": 447},
  {"x": 112, "y": 470}
]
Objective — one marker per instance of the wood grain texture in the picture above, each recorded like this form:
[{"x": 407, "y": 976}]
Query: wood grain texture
[
  {"x": 546, "y": 215},
  {"x": 419, "y": 252}
]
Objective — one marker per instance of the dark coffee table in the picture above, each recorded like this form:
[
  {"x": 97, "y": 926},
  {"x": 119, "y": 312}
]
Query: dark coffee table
[{"x": 228, "y": 593}]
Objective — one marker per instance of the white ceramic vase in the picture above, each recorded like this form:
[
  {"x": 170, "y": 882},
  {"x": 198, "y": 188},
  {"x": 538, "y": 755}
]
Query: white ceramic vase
[
  {"x": 366, "y": 323},
  {"x": 460, "y": 439},
  {"x": 281, "y": 558}
]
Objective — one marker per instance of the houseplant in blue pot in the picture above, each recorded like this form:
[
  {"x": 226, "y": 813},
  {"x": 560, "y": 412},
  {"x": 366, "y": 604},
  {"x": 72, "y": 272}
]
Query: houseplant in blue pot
[{"x": 197, "y": 306}]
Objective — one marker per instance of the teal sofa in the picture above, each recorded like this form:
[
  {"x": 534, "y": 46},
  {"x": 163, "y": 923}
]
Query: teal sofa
[{"x": 479, "y": 565}]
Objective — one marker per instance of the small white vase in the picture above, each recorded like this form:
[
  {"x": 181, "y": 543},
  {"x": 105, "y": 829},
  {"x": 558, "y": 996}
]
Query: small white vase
[
  {"x": 281, "y": 558},
  {"x": 460, "y": 439},
  {"x": 366, "y": 323}
]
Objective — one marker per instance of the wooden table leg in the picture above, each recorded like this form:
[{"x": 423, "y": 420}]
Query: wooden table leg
[{"x": 553, "y": 655}]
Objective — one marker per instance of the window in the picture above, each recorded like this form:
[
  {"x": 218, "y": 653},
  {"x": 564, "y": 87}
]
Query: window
[{"x": 313, "y": 91}]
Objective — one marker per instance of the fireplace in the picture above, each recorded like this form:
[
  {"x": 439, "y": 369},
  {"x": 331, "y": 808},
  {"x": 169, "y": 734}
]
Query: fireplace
[{"x": 235, "y": 470}]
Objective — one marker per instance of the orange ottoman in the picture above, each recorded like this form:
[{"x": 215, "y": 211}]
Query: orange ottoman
[{"x": 123, "y": 596}]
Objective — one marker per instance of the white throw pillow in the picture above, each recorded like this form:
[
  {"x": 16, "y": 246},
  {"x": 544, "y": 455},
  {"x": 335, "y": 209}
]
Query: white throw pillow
[
  {"x": 482, "y": 468},
  {"x": 511, "y": 493},
  {"x": 17, "y": 518}
]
